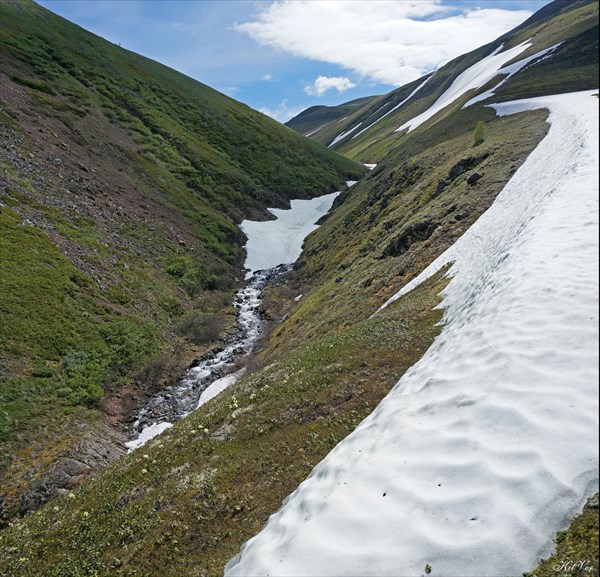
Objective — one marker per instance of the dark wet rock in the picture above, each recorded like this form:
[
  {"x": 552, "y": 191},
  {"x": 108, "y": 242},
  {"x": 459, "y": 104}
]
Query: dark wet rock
[
  {"x": 416, "y": 232},
  {"x": 440, "y": 187},
  {"x": 473, "y": 178},
  {"x": 465, "y": 165},
  {"x": 91, "y": 454}
]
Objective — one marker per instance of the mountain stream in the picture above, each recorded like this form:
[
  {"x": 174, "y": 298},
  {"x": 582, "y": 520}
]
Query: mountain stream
[{"x": 272, "y": 247}]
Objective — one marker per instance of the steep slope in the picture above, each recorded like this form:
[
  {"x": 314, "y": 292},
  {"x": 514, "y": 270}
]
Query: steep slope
[
  {"x": 121, "y": 184},
  {"x": 185, "y": 503},
  {"x": 314, "y": 118},
  {"x": 461, "y": 465},
  {"x": 567, "y": 29}
]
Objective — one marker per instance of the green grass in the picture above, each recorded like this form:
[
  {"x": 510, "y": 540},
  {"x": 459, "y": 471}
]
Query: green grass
[
  {"x": 122, "y": 188},
  {"x": 184, "y": 504}
]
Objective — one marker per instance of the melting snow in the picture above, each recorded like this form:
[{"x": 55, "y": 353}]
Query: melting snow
[
  {"x": 473, "y": 77},
  {"x": 488, "y": 445},
  {"x": 395, "y": 107},
  {"x": 219, "y": 386},
  {"x": 274, "y": 242},
  {"x": 511, "y": 71},
  {"x": 147, "y": 434},
  {"x": 343, "y": 135}
]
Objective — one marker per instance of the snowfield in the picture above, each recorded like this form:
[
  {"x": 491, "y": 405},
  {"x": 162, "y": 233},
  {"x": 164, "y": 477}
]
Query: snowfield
[
  {"x": 474, "y": 77},
  {"x": 274, "y": 242},
  {"x": 488, "y": 445}
]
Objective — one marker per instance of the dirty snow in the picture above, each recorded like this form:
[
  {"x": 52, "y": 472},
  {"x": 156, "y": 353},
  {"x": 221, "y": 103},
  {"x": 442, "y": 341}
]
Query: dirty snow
[
  {"x": 488, "y": 445},
  {"x": 219, "y": 386},
  {"x": 274, "y": 242},
  {"x": 474, "y": 77},
  {"x": 148, "y": 434}
]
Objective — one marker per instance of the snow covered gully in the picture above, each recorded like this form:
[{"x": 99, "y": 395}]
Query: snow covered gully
[
  {"x": 272, "y": 246},
  {"x": 488, "y": 445}
]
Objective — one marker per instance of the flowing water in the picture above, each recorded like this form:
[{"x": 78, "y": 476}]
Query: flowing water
[
  {"x": 269, "y": 243},
  {"x": 180, "y": 400}
]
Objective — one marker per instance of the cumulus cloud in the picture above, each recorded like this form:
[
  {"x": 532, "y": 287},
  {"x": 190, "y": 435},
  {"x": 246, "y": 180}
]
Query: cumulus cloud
[
  {"x": 324, "y": 83},
  {"x": 267, "y": 77},
  {"x": 387, "y": 42},
  {"x": 283, "y": 112}
]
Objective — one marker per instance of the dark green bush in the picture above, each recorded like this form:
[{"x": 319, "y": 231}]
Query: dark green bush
[
  {"x": 479, "y": 133},
  {"x": 200, "y": 327}
]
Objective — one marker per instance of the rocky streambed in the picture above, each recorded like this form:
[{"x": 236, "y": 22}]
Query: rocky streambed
[
  {"x": 219, "y": 369},
  {"x": 269, "y": 243}
]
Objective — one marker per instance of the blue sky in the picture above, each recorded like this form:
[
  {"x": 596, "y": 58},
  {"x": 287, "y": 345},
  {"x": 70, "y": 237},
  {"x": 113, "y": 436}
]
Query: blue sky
[{"x": 282, "y": 57}]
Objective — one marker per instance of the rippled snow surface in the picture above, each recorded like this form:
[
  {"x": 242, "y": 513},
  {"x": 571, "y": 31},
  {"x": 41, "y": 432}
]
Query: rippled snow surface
[{"x": 489, "y": 444}]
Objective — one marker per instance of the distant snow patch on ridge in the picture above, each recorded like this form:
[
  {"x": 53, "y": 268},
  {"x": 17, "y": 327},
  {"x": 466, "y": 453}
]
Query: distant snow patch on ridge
[
  {"x": 489, "y": 444},
  {"x": 511, "y": 70},
  {"x": 397, "y": 105},
  {"x": 274, "y": 242},
  {"x": 474, "y": 77},
  {"x": 343, "y": 135}
]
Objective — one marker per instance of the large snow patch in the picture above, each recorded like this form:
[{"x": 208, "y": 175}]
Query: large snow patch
[
  {"x": 274, "y": 242},
  {"x": 488, "y": 445},
  {"x": 473, "y": 77}
]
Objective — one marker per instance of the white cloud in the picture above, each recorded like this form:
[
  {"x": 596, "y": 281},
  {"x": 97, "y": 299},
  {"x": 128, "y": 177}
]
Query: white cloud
[
  {"x": 267, "y": 77},
  {"x": 324, "y": 83},
  {"x": 283, "y": 112},
  {"x": 383, "y": 41}
]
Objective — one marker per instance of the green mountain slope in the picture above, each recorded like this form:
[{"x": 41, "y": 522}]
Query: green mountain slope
[
  {"x": 368, "y": 134},
  {"x": 121, "y": 183},
  {"x": 185, "y": 503},
  {"x": 315, "y": 117}
]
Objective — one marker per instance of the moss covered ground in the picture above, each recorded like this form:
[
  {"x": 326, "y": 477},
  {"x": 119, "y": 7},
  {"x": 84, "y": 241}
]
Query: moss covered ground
[
  {"x": 121, "y": 185},
  {"x": 183, "y": 504}
]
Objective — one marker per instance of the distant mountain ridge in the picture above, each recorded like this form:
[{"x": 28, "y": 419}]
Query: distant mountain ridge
[
  {"x": 314, "y": 117},
  {"x": 368, "y": 131}
]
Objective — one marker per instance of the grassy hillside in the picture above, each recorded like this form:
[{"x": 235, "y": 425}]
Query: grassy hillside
[
  {"x": 316, "y": 116},
  {"x": 573, "y": 66},
  {"x": 121, "y": 183}
]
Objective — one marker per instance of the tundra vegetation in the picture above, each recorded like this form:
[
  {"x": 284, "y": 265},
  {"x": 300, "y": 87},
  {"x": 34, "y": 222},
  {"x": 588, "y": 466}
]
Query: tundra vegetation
[{"x": 139, "y": 252}]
